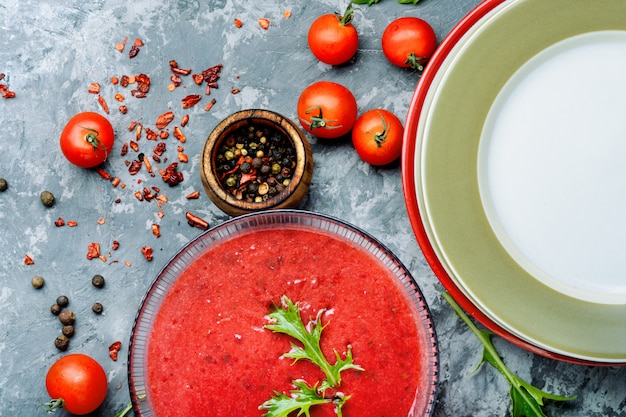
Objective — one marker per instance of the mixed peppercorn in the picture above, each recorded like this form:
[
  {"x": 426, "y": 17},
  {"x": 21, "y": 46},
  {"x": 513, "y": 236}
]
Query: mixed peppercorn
[{"x": 255, "y": 163}]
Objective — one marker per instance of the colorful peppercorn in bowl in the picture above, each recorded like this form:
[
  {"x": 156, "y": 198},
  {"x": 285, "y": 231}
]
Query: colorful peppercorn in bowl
[{"x": 256, "y": 160}]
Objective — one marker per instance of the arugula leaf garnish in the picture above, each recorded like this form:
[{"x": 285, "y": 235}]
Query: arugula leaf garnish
[
  {"x": 526, "y": 399},
  {"x": 301, "y": 400},
  {"x": 287, "y": 320}
]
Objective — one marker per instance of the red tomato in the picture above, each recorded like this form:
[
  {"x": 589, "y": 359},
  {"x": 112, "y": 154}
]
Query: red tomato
[
  {"x": 333, "y": 39},
  {"x": 79, "y": 381},
  {"x": 327, "y": 110},
  {"x": 87, "y": 139},
  {"x": 377, "y": 137},
  {"x": 409, "y": 42}
]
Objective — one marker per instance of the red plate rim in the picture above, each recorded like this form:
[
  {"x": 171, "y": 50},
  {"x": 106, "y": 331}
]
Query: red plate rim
[{"x": 410, "y": 196}]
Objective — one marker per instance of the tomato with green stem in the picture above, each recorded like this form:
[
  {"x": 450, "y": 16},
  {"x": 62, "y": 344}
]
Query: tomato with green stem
[
  {"x": 87, "y": 139},
  {"x": 77, "y": 383},
  {"x": 409, "y": 42},
  {"x": 332, "y": 38},
  {"x": 377, "y": 137},
  {"x": 327, "y": 109}
]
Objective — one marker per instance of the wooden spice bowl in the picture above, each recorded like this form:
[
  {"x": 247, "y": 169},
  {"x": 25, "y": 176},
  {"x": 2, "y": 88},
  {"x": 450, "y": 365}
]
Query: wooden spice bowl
[{"x": 230, "y": 199}]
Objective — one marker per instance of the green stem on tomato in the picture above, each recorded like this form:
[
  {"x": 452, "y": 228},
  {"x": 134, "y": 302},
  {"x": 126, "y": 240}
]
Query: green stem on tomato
[
  {"x": 347, "y": 16},
  {"x": 318, "y": 121},
  {"x": 380, "y": 137},
  {"x": 92, "y": 139},
  {"x": 54, "y": 404}
]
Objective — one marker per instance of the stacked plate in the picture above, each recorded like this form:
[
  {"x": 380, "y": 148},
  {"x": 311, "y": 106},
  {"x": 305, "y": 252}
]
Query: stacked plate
[{"x": 514, "y": 172}]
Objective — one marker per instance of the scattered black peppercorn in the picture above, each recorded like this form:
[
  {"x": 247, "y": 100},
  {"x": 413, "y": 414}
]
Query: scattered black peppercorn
[
  {"x": 62, "y": 342},
  {"x": 47, "y": 198},
  {"x": 63, "y": 301},
  {"x": 97, "y": 308},
  {"x": 3, "y": 185},
  {"x": 97, "y": 281},
  {"x": 37, "y": 281},
  {"x": 67, "y": 317},
  {"x": 55, "y": 309},
  {"x": 68, "y": 330}
]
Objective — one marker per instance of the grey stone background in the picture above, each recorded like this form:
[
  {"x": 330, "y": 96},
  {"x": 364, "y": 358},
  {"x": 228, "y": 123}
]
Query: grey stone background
[{"x": 52, "y": 50}]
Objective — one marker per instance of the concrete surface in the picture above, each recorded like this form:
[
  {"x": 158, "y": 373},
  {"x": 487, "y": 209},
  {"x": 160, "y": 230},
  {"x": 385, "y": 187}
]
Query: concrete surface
[{"x": 52, "y": 50}]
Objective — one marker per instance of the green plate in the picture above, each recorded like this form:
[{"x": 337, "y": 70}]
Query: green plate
[{"x": 453, "y": 194}]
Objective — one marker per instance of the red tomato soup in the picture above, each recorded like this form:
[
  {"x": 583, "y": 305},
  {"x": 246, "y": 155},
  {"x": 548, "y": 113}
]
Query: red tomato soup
[{"x": 210, "y": 355}]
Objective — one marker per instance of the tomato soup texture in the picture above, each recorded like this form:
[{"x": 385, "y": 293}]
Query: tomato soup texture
[{"x": 209, "y": 354}]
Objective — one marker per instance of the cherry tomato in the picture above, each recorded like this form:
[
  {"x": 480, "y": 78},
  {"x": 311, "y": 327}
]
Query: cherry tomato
[
  {"x": 87, "y": 139},
  {"x": 79, "y": 381},
  {"x": 409, "y": 42},
  {"x": 327, "y": 110},
  {"x": 333, "y": 39},
  {"x": 377, "y": 137}
]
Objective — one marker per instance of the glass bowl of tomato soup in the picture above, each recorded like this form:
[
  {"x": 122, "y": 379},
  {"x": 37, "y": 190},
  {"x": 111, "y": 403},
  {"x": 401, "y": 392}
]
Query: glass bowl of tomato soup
[{"x": 200, "y": 345}]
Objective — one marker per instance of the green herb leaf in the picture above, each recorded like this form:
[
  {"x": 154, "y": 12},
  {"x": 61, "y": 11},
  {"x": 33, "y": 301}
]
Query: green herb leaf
[
  {"x": 287, "y": 320},
  {"x": 527, "y": 399},
  {"x": 368, "y": 2},
  {"x": 301, "y": 400},
  {"x": 125, "y": 411}
]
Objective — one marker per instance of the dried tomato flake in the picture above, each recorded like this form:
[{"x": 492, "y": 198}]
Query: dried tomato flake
[
  {"x": 159, "y": 148},
  {"x": 114, "y": 350},
  {"x": 72, "y": 223},
  {"x": 238, "y": 23},
  {"x": 264, "y": 23},
  {"x": 164, "y": 119},
  {"x": 156, "y": 230},
  {"x": 176, "y": 80},
  {"x": 178, "y": 134},
  {"x": 115, "y": 245},
  {"x": 196, "y": 221},
  {"x": 143, "y": 86},
  {"x": 151, "y": 134},
  {"x": 120, "y": 46},
  {"x": 28, "y": 260},
  {"x": 60, "y": 222},
  {"x": 198, "y": 78},
  {"x": 134, "y": 50},
  {"x": 210, "y": 105},
  {"x": 184, "y": 120},
  {"x": 103, "y": 104},
  {"x": 135, "y": 167},
  {"x": 194, "y": 195},
  {"x": 147, "y": 252},
  {"x": 191, "y": 100},
  {"x": 171, "y": 176},
  {"x": 94, "y": 88},
  {"x": 104, "y": 174},
  {"x": 93, "y": 251}
]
